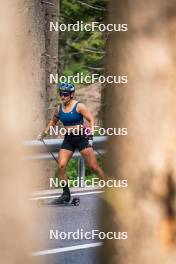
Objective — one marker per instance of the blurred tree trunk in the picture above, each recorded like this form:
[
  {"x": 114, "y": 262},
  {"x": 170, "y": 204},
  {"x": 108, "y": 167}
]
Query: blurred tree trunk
[
  {"x": 22, "y": 104},
  {"x": 49, "y": 59},
  {"x": 24, "y": 113},
  {"x": 146, "y": 157}
]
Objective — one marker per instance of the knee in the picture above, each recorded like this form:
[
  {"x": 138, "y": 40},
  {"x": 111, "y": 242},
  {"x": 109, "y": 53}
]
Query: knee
[{"x": 61, "y": 166}]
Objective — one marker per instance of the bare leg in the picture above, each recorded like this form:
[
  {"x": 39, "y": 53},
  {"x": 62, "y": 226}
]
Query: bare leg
[
  {"x": 63, "y": 159},
  {"x": 91, "y": 161}
]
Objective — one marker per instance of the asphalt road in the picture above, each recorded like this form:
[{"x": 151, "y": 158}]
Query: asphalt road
[{"x": 85, "y": 217}]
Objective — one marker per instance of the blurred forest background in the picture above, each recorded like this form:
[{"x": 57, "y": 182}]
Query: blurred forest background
[{"x": 82, "y": 51}]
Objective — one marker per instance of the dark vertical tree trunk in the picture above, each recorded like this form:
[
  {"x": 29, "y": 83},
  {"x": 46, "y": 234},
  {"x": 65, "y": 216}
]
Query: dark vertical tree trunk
[
  {"x": 52, "y": 40},
  {"x": 146, "y": 157},
  {"x": 50, "y": 61}
]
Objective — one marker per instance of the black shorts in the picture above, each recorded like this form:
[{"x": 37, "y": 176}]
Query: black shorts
[{"x": 72, "y": 142}]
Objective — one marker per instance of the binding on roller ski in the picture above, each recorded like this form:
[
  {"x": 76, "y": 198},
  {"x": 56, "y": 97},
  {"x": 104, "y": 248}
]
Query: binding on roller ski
[{"x": 72, "y": 114}]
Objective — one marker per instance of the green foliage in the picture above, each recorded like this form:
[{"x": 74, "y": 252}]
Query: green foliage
[
  {"x": 81, "y": 51},
  {"x": 89, "y": 173},
  {"x": 72, "y": 170}
]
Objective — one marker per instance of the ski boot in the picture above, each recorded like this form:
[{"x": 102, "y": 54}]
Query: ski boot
[{"x": 64, "y": 198}]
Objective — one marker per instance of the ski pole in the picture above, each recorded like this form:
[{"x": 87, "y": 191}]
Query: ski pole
[{"x": 49, "y": 151}]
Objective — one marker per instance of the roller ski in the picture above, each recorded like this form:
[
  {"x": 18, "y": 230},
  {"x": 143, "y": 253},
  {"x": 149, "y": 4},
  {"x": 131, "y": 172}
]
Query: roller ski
[{"x": 63, "y": 200}]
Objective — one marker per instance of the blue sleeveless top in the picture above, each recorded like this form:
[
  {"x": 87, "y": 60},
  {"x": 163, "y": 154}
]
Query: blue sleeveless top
[{"x": 71, "y": 118}]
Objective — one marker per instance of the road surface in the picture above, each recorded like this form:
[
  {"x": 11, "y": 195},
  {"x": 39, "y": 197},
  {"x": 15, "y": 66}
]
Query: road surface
[{"x": 58, "y": 219}]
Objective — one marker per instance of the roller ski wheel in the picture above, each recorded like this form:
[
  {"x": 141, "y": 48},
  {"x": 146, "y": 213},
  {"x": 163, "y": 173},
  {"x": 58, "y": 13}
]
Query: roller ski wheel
[{"x": 75, "y": 201}]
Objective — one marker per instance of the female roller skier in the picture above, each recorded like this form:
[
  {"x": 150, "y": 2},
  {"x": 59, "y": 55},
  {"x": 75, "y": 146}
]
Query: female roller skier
[{"x": 72, "y": 114}]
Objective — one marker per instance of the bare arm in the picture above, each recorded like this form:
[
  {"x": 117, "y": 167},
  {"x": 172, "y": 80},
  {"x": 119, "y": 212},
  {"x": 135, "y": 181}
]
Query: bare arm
[
  {"x": 82, "y": 109},
  {"x": 51, "y": 123}
]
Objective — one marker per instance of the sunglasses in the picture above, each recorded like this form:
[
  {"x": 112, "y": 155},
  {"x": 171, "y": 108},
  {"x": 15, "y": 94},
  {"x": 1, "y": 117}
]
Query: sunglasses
[{"x": 65, "y": 94}]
